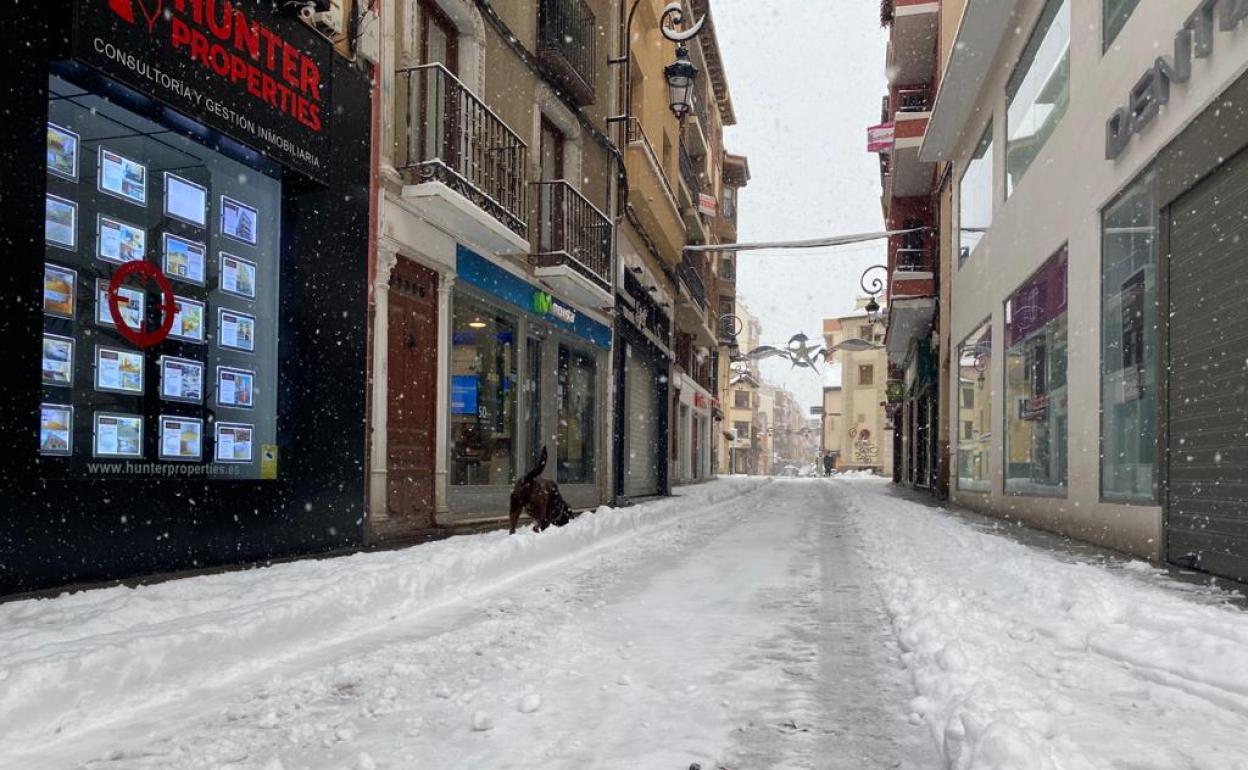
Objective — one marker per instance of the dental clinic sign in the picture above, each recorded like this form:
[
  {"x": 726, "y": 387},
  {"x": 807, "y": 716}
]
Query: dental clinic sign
[
  {"x": 238, "y": 66},
  {"x": 1195, "y": 40}
]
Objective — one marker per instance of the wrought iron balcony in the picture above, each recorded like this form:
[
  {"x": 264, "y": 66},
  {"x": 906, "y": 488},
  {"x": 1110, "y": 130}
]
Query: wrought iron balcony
[
  {"x": 566, "y": 42},
  {"x": 692, "y": 280},
  {"x": 914, "y": 100},
  {"x": 699, "y": 109},
  {"x": 637, "y": 135},
  {"x": 911, "y": 260},
  {"x": 689, "y": 173},
  {"x": 452, "y": 137},
  {"x": 574, "y": 232}
]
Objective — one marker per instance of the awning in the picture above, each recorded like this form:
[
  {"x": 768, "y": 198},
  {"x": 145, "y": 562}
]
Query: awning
[{"x": 985, "y": 24}]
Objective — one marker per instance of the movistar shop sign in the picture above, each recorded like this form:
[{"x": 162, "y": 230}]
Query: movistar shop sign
[{"x": 544, "y": 304}]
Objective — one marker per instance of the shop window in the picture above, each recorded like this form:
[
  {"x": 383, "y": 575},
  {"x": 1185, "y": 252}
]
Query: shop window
[
  {"x": 1114, "y": 15},
  {"x": 1129, "y": 344},
  {"x": 124, "y": 193},
  {"x": 866, "y": 375},
  {"x": 975, "y": 197},
  {"x": 975, "y": 410},
  {"x": 1038, "y": 91},
  {"x": 483, "y": 394},
  {"x": 578, "y": 384},
  {"x": 741, "y": 399},
  {"x": 1035, "y": 377}
]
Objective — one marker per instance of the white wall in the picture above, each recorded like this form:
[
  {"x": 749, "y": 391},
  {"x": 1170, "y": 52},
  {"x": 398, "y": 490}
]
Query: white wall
[{"x": 1058, "y": 201}]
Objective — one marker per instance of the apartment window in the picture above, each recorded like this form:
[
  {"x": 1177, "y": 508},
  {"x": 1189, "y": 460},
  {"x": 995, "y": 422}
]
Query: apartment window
[
  {"x": 730, "y": 202},
  {"x": 741, "y": 399},
  {"x": 1035, "y": 383},
  {"x": 727, "y": 268},
  {"x": 866, "y": 374},
  {"x": 1038, "y": 91},
  {"x": 975, "y": 410},
  {"x": 864, "y": 332},
  {"x": 742, "y": 429},
  {"x": 439, "y": 39},
  {"x": 975, "y": 197},
  {"x": 1129, "y": 344},
  {"x": 1114, "y": 15}
]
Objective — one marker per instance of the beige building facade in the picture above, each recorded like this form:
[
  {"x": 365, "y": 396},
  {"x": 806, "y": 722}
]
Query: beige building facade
[{"x": 856, "y": 427}]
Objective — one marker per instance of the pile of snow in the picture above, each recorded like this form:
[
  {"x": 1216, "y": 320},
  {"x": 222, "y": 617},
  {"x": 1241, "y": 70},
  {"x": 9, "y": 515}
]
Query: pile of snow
[
  {"x": 1023, "y": 659},
  {"x": 76, "y": 661}
]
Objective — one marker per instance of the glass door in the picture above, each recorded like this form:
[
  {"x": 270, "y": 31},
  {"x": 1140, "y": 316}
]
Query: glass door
[
  {"x": 533, "y": 391},
  {"x": 577, "y": 408}
]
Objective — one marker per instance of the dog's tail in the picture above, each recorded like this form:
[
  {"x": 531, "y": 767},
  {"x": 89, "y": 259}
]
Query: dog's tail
[{"x": 541, "y": 466}]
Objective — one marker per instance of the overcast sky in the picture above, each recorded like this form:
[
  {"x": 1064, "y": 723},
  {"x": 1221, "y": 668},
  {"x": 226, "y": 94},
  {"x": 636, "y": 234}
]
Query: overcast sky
[{"x": 806, "y": 80}]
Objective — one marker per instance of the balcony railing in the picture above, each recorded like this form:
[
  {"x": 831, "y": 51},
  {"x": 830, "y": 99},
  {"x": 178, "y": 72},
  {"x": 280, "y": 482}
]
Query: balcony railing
[
  {"x": 699, "y": 109},
  {"x": 913, "y": 100},
  {"x": 566, "y": 42},
  {"x": 689, "y": 173},
  {"x": 452, "y": 137},
  {"x": 692, "y": 279},
  {"x": 638, "y": 136},
  {"x": 574, "y": 232},
  {"x": 911, "y": 260}
]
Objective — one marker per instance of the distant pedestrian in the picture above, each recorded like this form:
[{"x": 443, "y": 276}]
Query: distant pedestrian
[{"x": 828, "y": 462}]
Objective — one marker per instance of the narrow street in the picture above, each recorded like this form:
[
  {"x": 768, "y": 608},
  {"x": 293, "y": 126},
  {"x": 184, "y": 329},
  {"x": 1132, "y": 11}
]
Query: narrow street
[{"x": 744, "y": 625}]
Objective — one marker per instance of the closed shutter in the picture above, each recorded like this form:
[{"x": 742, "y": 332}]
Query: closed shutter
[
  {"x": 642, "y": 442},
  {"x": 1207, "y": 458}
]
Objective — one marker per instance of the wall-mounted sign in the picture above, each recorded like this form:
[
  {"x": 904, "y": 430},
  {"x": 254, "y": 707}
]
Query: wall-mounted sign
[
  {"x": 880, "y": 138},
  {"x": 544, "y": 304},
  {"x": 262, "y": 78},
  {"x": 700, "y": 401},
  {"x": 1144, "y": 100},
  {"x": 707, "y": 204}
]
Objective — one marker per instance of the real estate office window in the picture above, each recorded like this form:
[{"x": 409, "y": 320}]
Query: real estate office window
[{"x": 1038, "y": 92}]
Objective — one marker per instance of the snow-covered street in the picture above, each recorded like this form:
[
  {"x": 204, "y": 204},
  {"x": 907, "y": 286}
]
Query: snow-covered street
[{"x": 745, "y": 624}]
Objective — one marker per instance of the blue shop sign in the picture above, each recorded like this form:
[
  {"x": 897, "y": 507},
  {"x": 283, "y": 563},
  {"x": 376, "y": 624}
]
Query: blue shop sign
[{"x": 480, "y": 273}]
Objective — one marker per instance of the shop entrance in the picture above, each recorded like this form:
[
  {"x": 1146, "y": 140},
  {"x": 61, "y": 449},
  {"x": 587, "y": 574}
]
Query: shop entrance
[
  {"x": 412, "y": 395},
  {"x": 1206, "y": 457}
]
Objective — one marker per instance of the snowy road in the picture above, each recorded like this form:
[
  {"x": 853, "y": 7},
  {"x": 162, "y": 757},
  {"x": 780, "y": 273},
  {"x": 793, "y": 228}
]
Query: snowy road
[{"x": 745, "y": 625}]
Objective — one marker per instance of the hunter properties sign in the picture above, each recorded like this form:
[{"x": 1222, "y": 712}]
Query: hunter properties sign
[
  {"x": 234, "y": 65},
  {"x": 1193, "y": 40}
]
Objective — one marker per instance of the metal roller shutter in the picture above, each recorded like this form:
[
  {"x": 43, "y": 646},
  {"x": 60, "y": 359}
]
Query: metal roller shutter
[
  {"x": 1207, "y": 398},
  {"x": 641, "y": 400}
]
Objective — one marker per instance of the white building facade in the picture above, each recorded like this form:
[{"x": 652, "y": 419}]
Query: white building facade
[{"x": 1099, "y": 193}]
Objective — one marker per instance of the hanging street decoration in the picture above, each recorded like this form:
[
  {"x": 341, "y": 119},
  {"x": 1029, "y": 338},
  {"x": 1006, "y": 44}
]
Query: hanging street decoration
[{"x": 801, "y": 353}]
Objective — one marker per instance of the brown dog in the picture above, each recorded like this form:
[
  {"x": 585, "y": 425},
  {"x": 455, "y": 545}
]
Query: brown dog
[{"x": 541, "y": 498}]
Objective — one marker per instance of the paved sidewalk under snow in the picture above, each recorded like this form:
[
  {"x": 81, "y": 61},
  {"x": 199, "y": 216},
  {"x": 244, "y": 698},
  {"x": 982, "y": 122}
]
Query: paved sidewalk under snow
[{"x": 747, "y": 625}]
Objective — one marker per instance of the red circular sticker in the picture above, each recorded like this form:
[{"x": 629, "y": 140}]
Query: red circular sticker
[{"x": 168, "y": 307}]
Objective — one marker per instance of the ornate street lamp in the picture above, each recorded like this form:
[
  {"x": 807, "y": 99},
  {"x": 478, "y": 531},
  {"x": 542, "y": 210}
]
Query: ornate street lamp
[
  {"x": 680, "y": 76},
  {"x": 873, "y": 283}
]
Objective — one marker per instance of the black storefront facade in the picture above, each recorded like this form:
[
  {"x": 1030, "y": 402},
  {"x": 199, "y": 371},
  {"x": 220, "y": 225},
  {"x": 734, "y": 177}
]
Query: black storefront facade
[
  {"x": 643, "y": 360},
  {"x": 187, "y": 333}
]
